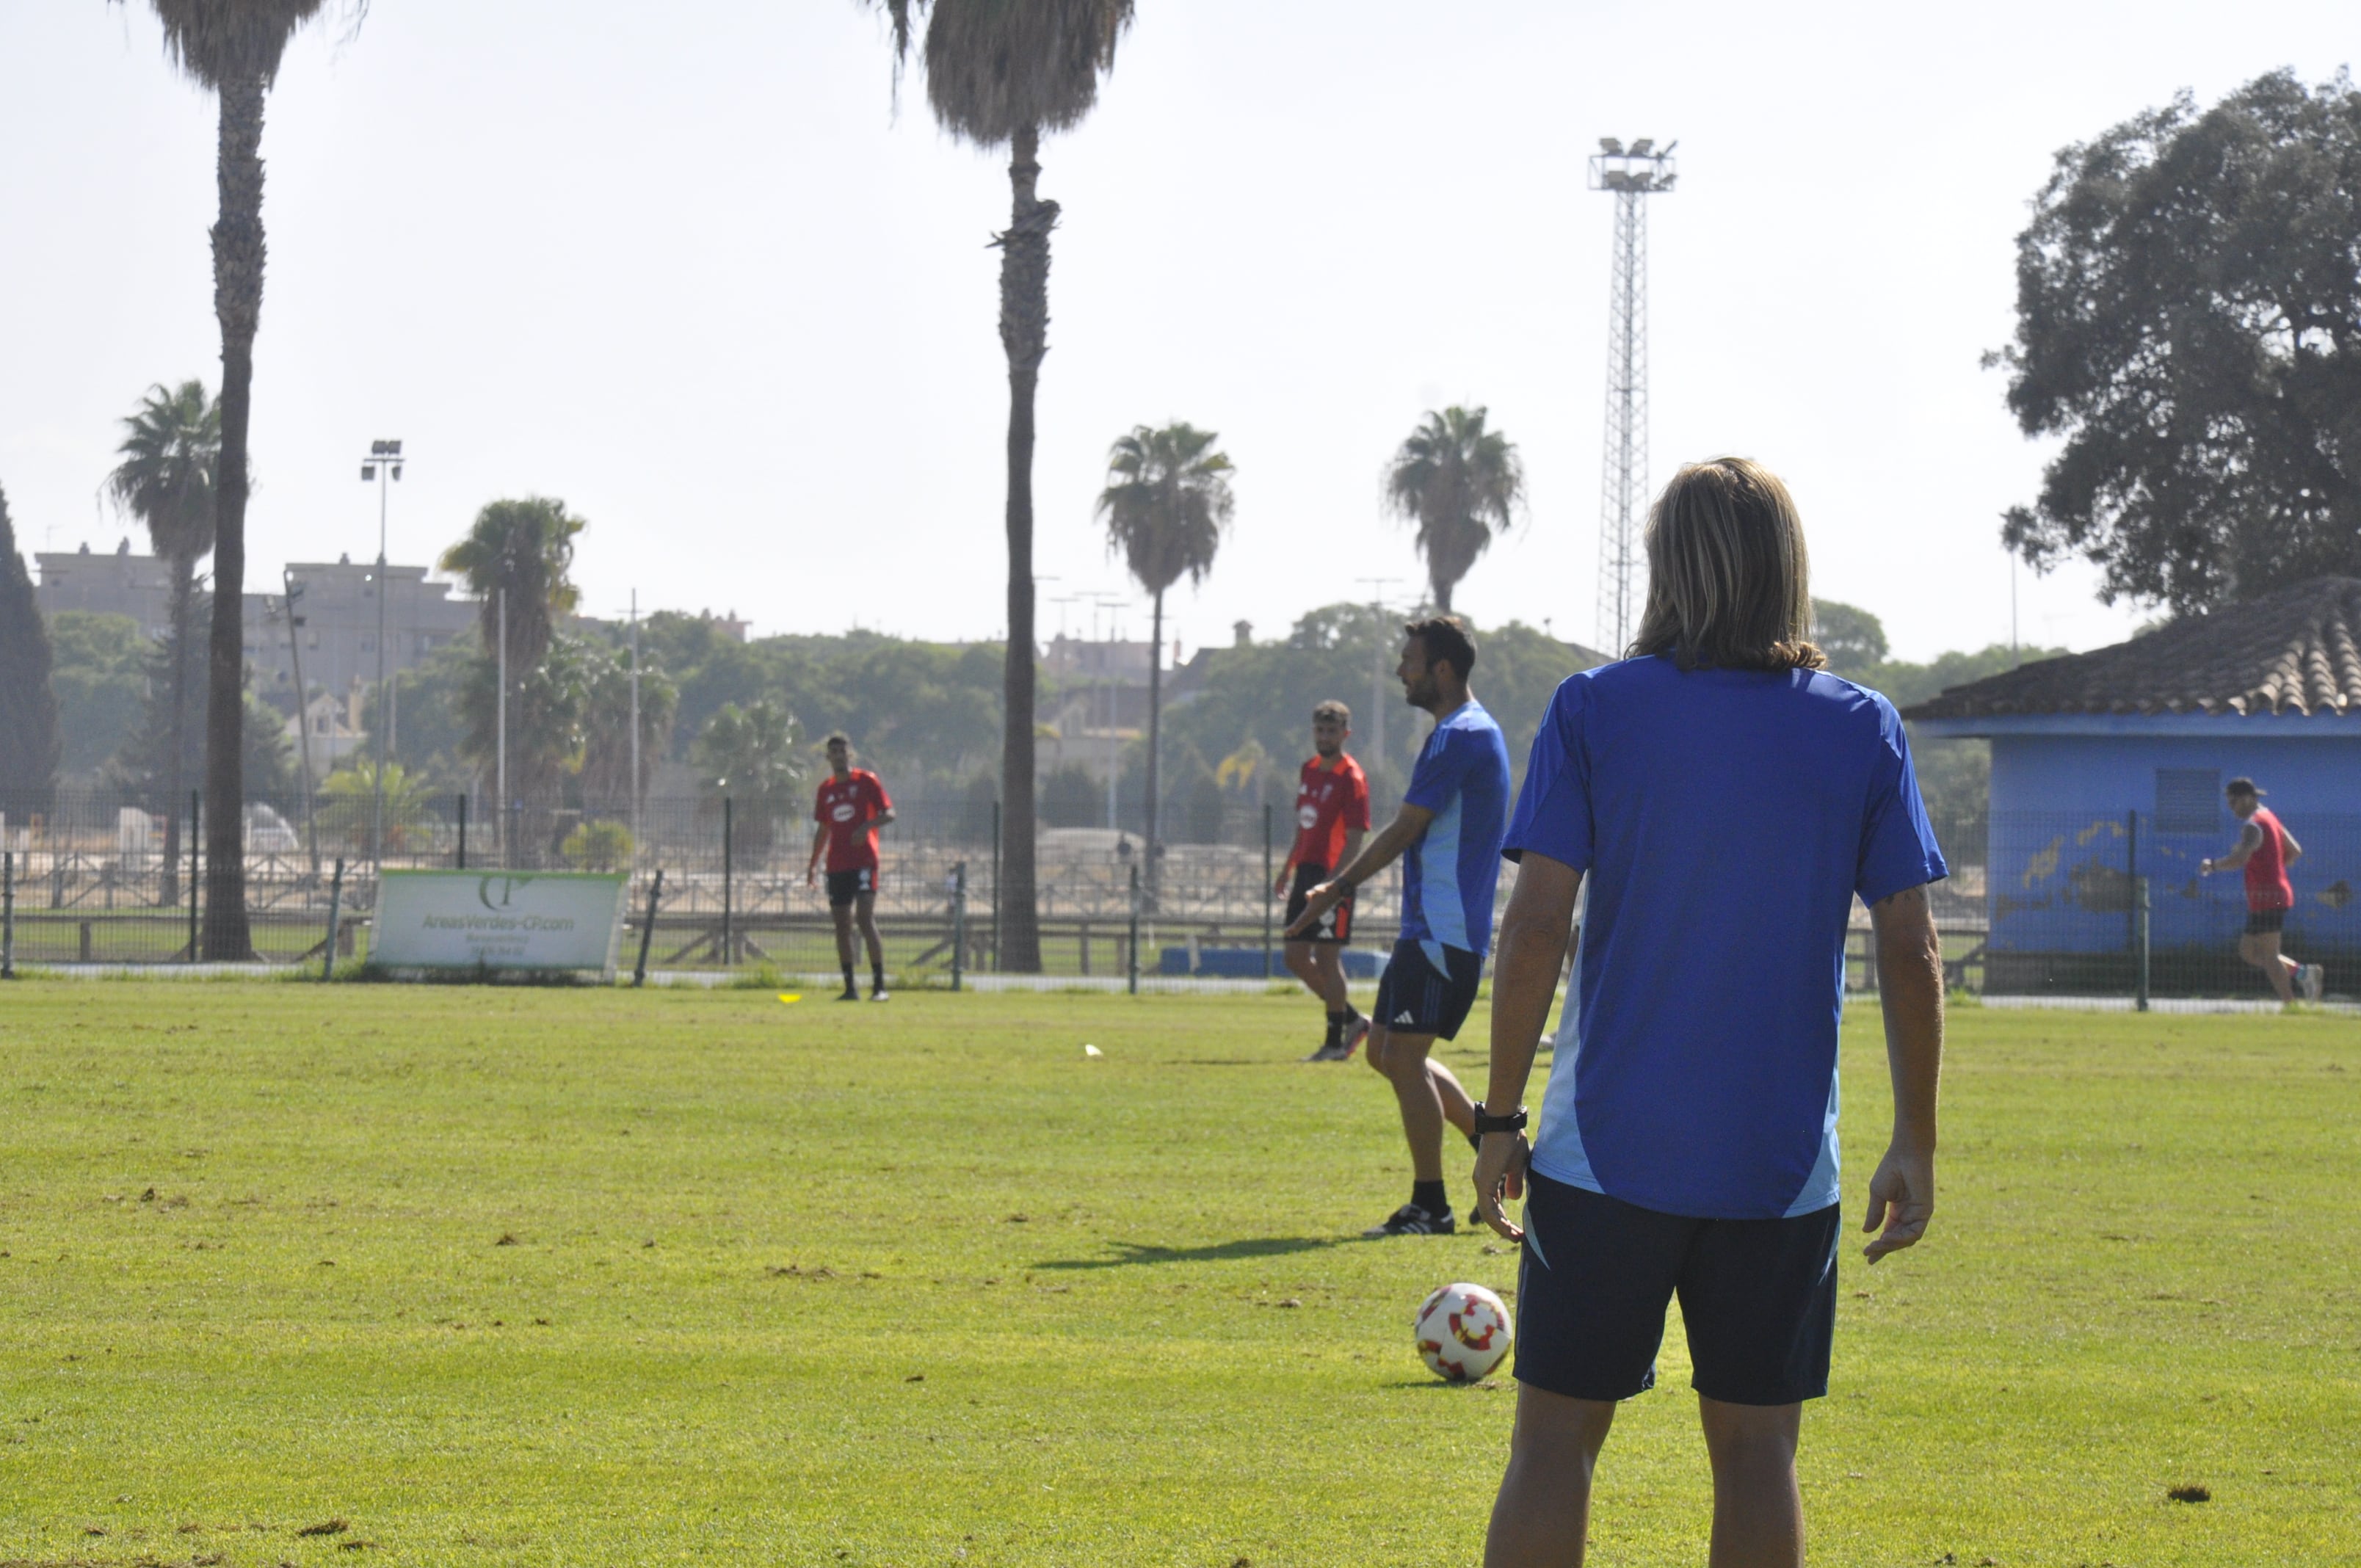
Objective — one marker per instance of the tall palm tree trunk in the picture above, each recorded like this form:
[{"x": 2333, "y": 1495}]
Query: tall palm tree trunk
[
  {"x": 1024, "y": 335},
  {"x": 237, "y": 302},
  {"x": 1154, "y": 874}
]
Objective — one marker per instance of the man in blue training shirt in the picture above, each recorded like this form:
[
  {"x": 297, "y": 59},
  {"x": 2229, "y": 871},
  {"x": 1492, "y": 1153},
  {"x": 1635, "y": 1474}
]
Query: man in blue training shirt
[
  {"x": 1448, "y": 832},
  {"x": 1725, "y": 801}
]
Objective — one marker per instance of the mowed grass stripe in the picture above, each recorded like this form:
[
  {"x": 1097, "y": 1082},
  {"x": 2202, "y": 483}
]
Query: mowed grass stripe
[{"x": 927, "y": 1280}]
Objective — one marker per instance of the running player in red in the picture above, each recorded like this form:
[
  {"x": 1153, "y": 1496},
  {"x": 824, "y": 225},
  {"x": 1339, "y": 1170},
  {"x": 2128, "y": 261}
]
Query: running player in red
[
  {"x": 850, "y": 808},
  {"x": 1332, "y": 813},
  {"x": 2266, "y": 849}
]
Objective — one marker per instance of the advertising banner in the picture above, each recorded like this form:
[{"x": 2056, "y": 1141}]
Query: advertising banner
[{"x": 518, "y": 920}]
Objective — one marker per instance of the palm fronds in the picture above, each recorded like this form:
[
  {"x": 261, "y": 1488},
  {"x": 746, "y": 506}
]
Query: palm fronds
[{"x": 1460, "y": 484}]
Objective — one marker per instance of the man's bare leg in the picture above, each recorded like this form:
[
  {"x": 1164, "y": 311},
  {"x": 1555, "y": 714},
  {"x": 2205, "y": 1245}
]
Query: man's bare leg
[
  {"x": 1402, "y": 1058},
  {"x": 1542, "y": 1513},
  {"x": 843, "y": 915},
  {"x": 865, "y": 907},
  {"x": 1458, "y": 1105},
  {"x": 1758, "y": 1513},
  {"x": 2262, "y": 951}
]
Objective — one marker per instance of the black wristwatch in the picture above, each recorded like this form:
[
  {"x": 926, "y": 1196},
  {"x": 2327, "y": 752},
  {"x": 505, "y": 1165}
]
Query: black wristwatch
[{"x": 1487, "y": 1123}]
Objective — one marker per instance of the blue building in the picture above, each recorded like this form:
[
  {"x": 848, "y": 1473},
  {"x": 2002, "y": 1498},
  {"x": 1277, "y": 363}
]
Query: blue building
[{"x": 2110, "y": 765}]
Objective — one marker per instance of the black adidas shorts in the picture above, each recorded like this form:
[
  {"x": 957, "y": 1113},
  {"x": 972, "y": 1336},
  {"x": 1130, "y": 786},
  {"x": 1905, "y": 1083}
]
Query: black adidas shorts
[
  {"x": 1416, "y": 998},
  {"x": 1336, "y": 925},
  {"x": 2264, "y": 922},
  {"x": 1758, "y": 1298},
  {"x": 843, "y": 887}
]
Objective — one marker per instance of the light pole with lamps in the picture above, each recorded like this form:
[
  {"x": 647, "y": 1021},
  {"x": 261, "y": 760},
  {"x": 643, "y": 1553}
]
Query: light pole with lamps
[{"x": 384, "y": 463}]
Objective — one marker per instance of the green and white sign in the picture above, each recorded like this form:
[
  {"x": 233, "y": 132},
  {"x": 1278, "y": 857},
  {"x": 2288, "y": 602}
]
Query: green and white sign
[{"x": 529, "y": 920}]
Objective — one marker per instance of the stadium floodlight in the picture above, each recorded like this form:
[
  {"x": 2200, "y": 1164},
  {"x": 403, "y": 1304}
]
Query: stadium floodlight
[
  {"x": 385, "y": 463},
  {"x": 1632, "y": 176}
]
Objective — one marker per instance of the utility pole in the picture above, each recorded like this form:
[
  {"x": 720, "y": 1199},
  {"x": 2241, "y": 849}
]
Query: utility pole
[
  {"x": 384, "y": 463},
  {"x": 501, "y": 725},
  {"x": 1377, "y": 586},
  {"x": 1633, "y": 175},
  {"x": 291, "y": 590},
  {"x": 635, "y": 724}
]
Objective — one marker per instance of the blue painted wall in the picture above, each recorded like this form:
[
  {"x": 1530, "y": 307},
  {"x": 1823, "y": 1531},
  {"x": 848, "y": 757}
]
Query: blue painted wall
[{"x": 2063, "y": 841}]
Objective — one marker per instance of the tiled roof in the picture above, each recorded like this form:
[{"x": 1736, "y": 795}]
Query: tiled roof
[{"x": 2294, "y": 651}]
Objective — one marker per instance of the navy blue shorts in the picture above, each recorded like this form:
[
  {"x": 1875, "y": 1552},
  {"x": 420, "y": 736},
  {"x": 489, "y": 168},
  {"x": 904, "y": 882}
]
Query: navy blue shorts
[
  {"x": 1416, "y": 998},
  {"x": 1758, "y": 1298}
]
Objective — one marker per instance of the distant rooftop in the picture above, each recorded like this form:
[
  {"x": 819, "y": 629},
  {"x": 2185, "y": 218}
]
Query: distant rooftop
[{"x": 2296, "y": 652}]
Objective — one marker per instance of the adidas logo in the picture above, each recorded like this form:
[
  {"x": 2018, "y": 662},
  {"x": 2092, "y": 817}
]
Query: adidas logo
[{"x": 1403, "y": 1017}]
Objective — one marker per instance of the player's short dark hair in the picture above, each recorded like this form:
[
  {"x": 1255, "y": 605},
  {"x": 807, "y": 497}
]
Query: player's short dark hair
[
  {"x": 1334, "y": 709},
  {"x": 1444, "y": 637},
  {"x": 836, "y": 740},
  {"x": 2240, "y": 787}
]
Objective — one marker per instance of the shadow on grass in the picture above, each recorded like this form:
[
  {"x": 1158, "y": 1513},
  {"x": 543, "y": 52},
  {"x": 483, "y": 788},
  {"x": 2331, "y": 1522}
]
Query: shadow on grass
[{"x": 1131, "y": 1253}]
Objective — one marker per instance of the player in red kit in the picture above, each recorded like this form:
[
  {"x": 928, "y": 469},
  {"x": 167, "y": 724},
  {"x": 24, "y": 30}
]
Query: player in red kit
[
  {"x": 1332, "y": 813},
  {"x": 2266, "y": 849},
  {"x": 852, "y": 806}
]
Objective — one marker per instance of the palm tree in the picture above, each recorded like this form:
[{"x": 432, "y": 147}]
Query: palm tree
[
  {"x": 1461, "y": 483},
  {"x": 1167, "y": 502},
  {"x": 516, "y": 559},
  {"x": 232, "y": 48},
  {"x": 999, "y": 73},
  {"x": 170, "y": 453},
  {"x": 749, "y": 757}
]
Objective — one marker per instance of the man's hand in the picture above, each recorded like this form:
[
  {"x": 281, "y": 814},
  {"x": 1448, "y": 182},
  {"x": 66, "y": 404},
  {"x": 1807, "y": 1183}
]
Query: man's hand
[
  {"x": 1501, "y": 1161},
  {"x": 811, "y": 874},
  {"x": 1279, "y": 884},
  {"x": 1317, "y": 905},
  {"x": 1900, "y": 1199}
]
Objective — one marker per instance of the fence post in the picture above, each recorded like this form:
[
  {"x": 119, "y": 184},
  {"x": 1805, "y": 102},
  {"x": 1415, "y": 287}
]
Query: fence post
[
  {"x": 7, "y": 914},
  {"x": 728, "y": 948},
  {"x": 2139, "y": 936},
  {"x": 2131, "y": 879},
  {"x": 996, "y": 885},
  {"x": 194, "y": 838},
  {"x": 647, "y": 931},
  {"x": 463, "y": 830},
  {"x": 958, "y": 924},
  {"x": 335, "y": 915},
  {"x": 1266, "y": 894},
  {"x": 1134, "y": 943}
]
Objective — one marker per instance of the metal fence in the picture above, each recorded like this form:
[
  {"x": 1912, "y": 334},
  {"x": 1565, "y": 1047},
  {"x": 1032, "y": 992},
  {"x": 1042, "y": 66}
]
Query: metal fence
[{"x": 2035, "y": 903}]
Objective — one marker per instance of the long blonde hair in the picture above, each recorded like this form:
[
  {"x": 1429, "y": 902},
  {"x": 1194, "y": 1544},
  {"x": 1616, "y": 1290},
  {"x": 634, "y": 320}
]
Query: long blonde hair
[{"x": 1729, "y": 582}]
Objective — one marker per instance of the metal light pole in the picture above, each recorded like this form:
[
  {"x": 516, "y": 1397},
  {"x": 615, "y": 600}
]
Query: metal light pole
[
  {"x": 500, "y": 722},
  {"x": 1632, "y": 174},
  {"x": 383, "y": 464},
  {"x": 1377, "y": 586}
]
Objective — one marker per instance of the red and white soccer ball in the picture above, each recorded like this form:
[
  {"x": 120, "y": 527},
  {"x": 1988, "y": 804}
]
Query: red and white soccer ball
[{"x": 1464, "y": 1332}]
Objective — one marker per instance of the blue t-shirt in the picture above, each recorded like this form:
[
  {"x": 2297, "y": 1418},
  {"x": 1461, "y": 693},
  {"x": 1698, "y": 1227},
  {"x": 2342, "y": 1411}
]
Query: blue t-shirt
[
  {"x": 1725, "y": 819},
  {"x": 1450, "y": 875}
]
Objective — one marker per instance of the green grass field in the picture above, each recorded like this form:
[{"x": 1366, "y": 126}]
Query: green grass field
[{"x": 588, "y": 1276}]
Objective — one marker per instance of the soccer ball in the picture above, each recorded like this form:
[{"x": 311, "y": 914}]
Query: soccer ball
[{"x": 1463, "y": 1332}]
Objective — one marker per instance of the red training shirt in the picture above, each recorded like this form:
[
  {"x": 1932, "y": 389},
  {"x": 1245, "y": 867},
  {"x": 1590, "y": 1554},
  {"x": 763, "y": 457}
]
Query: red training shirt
[
  {"x": 1328, "y": 802},
  {"x": 2267, "y": 887},
  {"x": 846, "y": 807}
]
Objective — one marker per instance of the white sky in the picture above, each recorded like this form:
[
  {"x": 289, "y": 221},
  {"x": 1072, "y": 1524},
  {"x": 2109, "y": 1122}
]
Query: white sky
[{"x": 681, "y": 266}]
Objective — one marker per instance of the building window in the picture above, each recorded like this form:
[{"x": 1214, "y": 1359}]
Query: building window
[{"x": 2188, "y": 800}]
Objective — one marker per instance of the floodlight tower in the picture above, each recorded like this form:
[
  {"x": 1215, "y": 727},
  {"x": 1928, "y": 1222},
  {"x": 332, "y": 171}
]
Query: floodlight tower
[{"x": 1633, "y": 175}]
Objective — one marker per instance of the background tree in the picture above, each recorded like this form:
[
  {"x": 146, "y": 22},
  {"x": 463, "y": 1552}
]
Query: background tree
[
  {"x": 1166, "y": 506},
  {"x": 999, "y": 73},
  {"x": 749, "y": 756},
  {"x": 1459, "y": 484},
  {"x": 2189, "y": 321},
  {"x": 29, "y": 708},
  {"x": 99, "y": 671},
  {"x": 169, "y": 456},
  {"x": 1853, "y": 638},
  {"x": 232, "y": 48},
  {"x": 522, "y": 552},
  {"x": 607, "y": 724}
]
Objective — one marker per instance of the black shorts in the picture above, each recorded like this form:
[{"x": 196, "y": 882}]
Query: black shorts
[
  {"x": 843, "y": 887},
  {"x": 1758, "y": 1298},
  {"x": 1336, "y": 925},
  {"x": 1416, "y": 998},
  {"x": 2266, "y": 922}
]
